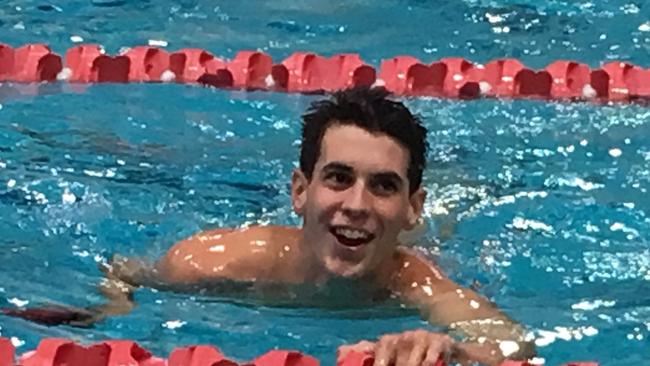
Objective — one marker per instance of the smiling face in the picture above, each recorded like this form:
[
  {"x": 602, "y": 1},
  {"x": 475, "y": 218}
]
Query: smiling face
[{"x": 357, "y": 201}]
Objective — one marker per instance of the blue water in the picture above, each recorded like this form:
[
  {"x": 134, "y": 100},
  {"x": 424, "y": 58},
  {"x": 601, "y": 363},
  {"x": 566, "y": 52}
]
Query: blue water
[{"x": 542, "y": 204}]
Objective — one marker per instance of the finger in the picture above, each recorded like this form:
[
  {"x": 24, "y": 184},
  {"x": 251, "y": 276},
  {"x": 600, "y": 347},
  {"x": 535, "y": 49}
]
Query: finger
[
  {"x": 361, "y": 347},
  {"x": 385, "y": 351},
  {"x": 403, "y": 348},
  {"x": 434, "y": 353},
  {"x": 105, "y": 267},
  {"x": 115, "y": 288},
  {"x": 402, "y": 354},
  {"x": 417, "y": 354},
  {"x": 364, "y": 347}
]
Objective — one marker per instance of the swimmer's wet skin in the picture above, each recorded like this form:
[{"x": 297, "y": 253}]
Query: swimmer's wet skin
[{"x": 357, "y": 188}]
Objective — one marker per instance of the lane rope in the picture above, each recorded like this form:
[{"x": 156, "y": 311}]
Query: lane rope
[
  {"x": 305, "y": 72},
  {"x": 60, "y": 351}
]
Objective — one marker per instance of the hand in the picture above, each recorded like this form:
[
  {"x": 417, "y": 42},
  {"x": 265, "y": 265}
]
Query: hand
[
  {"x": 361, "y": 347},
  {"x": 124, "y": 269},
  {"x": 411, "y": 348}
]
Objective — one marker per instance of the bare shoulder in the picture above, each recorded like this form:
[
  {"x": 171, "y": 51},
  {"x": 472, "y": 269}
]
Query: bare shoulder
[
  {"x": 413, "y": 269},
  {"x": 238, "y": 254}
]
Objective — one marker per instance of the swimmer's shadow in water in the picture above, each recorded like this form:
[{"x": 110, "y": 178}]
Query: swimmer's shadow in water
[{"x": 332, "y": 302}]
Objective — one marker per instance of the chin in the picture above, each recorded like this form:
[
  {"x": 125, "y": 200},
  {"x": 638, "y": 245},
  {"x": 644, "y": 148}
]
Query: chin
[{"x": 344, "y": 269}]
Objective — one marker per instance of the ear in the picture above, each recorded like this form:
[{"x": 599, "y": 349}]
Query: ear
[
  {"x": 416, "y": 206},
  {"x": 299, "y": 185}
]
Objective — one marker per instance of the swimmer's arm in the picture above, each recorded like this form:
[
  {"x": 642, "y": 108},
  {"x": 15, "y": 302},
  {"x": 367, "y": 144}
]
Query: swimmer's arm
[
  {"x": 489, "y": 336},
  {"x": 118, "y": 294},
  {"x": 122, "y": 277},
  {"x": 119, "y": 301}
]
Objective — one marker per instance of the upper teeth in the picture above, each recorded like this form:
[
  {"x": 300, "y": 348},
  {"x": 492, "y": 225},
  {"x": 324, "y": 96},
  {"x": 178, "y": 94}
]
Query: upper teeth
[{"x": 352, "y": 234}]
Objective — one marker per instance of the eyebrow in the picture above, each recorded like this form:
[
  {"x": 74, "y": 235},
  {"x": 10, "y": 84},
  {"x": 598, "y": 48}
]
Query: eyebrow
[{"x": 337, "y": 166}]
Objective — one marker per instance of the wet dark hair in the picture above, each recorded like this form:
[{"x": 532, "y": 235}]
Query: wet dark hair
[{"x": 371, "y": 110}]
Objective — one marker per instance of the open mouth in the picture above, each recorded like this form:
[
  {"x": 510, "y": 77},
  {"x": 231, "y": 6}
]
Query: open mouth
[{"x": 351, "y": 237}]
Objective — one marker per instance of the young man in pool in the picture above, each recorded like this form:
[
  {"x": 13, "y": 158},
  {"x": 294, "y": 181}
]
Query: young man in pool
[{"x": 358, "y": 186}]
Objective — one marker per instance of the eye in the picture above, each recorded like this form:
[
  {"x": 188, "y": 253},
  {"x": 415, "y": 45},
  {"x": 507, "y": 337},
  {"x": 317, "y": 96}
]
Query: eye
[
  {"x": 338, "y": 179},
  {"x": 384, "y": 187}
]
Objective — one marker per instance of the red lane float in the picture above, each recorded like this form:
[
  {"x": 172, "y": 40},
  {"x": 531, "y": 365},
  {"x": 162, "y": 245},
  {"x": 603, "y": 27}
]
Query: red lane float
[
  {"x": 462, "y": 78},
  {"x": 251, "y": 70},
  {"x": 309, "y": 73},
  {"x": 79, "y": 63},
  {"x": 148, "y": 64},
  {"x": 616, "y": 74},
  {"x": 570, "y": 80},
  {"x": 7, "y": 352},
  {"x": 638, "y": 83},
  {"x": 405, "y": 75},
  {"x": 190, "y": 64},
  {"x": 305, "y": 72},
  {"x": 450, "y": 77},
  {"x": 198, "y": 356},
  {"x": 29, "y": 63},
  {"x": 89, "y": 64},
  {"x": 533, "y": 84},
  {"x": 499, "y": 78},
  {"x": 284, "y": 358},
  {"x": 55, "y": 352},
  {"x": 6, "y": 62},
  {"x": 621, "y": 81}
]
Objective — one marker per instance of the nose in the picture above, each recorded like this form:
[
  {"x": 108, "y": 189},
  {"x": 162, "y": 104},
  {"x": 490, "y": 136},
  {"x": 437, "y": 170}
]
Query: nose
[{"x": 356, "y": 202}]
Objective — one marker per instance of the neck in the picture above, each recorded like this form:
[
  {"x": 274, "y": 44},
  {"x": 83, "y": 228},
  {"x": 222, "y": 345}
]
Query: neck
[
  {"x": 310, "y": 267},
  {"x": 313, "y": 271}
]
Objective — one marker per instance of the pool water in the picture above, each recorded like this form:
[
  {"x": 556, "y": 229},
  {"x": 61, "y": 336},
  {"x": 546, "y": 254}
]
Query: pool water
[{"x": 542, "y": 205}]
